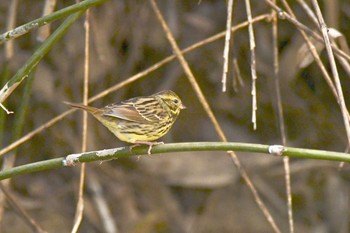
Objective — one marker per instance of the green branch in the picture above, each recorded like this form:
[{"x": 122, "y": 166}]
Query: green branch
[
  {"x": 25, "y": 28},
  {"x": 31, "y": 63},
  {"x": 115, "y": 153}
]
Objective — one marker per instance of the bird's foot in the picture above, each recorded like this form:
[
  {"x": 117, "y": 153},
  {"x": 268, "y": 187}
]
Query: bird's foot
[{"x": 150, "y": 145}]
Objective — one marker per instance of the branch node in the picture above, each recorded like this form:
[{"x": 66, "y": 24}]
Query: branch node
[
  {"x": 276, "y": 150},
  {"x": 281, "y": 14}
]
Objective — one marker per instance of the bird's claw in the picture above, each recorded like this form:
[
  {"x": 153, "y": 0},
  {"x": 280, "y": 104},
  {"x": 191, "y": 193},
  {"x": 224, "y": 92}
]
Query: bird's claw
[{"x": 150, "y": 145}]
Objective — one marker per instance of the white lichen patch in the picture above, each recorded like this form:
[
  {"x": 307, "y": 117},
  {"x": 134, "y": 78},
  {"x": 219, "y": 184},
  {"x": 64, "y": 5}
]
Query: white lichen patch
[
  {"x": 71, "y": 159},
  {"x": 108, "y": 152},
  {"x": 276, "y": 150}
]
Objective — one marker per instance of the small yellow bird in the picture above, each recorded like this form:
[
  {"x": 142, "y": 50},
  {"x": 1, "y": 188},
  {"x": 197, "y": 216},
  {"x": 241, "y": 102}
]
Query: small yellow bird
[{"x": 140, "y": 120}]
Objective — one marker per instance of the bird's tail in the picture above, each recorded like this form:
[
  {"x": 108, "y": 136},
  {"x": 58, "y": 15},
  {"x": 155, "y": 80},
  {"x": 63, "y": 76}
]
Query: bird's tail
[{"x": 83, "y": 107}]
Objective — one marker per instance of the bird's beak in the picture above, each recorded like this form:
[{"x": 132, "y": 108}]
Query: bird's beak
[{"x": 182, "y": 106}]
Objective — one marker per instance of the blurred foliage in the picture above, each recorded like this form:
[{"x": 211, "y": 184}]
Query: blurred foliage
[{"x": 189, "y": 192}]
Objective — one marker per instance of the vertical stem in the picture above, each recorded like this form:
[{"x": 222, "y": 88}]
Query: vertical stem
[
  {"x": 252, "y": 62},
  {"x": 227, "y": 44},
  {"x": 80, "y": 204}
]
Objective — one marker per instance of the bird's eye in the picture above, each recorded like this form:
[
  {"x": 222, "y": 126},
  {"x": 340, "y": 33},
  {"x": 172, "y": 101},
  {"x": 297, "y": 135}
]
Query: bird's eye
[{"x": 176, "y": 101}]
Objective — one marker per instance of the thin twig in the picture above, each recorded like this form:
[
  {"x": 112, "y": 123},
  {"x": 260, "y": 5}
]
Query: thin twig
[
  {"x": 237, "y": 78},
  {"x": 252, "y": 62},
  {"x": 8, "y": 161},
  {"x": 22, "y": 212},
  {"x": 317, "y": 58},
  {"x": 12, "y": 14},
  {"x": 304, "y": 28},
  {"x": 281, "y": 119},
  {"x": 308, "y": 11},
  {"x": 343, "y": 44},
  {"x": 211, "y": 115},
  {"x": 277, "y": 79},
  {"x": 227, "y": 44},
  {"x": 331, "y": 59},
  {"x": 80, "y": 205},
  {"x": 188, "y": 71},
  {"x": 31, "y": 134},
  {"x": 101, "y": 204},
  {"x": 314, "y": 53},
  {"x": 44, "y": 31},
  {"x": 286, "y": 166}
]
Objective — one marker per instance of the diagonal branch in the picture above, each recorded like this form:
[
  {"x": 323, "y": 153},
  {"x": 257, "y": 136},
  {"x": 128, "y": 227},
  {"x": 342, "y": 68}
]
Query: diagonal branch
[
  {"x": 25, "y": 28},
  {"x": 334, "y": 69},
  {"x": 212, "y": 117}
]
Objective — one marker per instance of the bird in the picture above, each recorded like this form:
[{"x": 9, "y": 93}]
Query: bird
[{"x": 140, "y": 120}]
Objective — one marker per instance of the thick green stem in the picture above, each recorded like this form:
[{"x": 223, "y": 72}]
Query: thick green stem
[
  {"x": 25, "y": 28},
  {"x": 109, "y": 154}
]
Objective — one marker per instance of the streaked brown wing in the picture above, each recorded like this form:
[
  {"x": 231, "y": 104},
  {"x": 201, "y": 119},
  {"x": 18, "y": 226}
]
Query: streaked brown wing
[
  {"x": 142, "y": 110},
  {"x": 125, "y": 112}
]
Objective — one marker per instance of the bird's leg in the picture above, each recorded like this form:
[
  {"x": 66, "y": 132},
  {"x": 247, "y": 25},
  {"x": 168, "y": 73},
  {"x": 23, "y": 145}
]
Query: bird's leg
[{"x": 150, "y": 144}]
